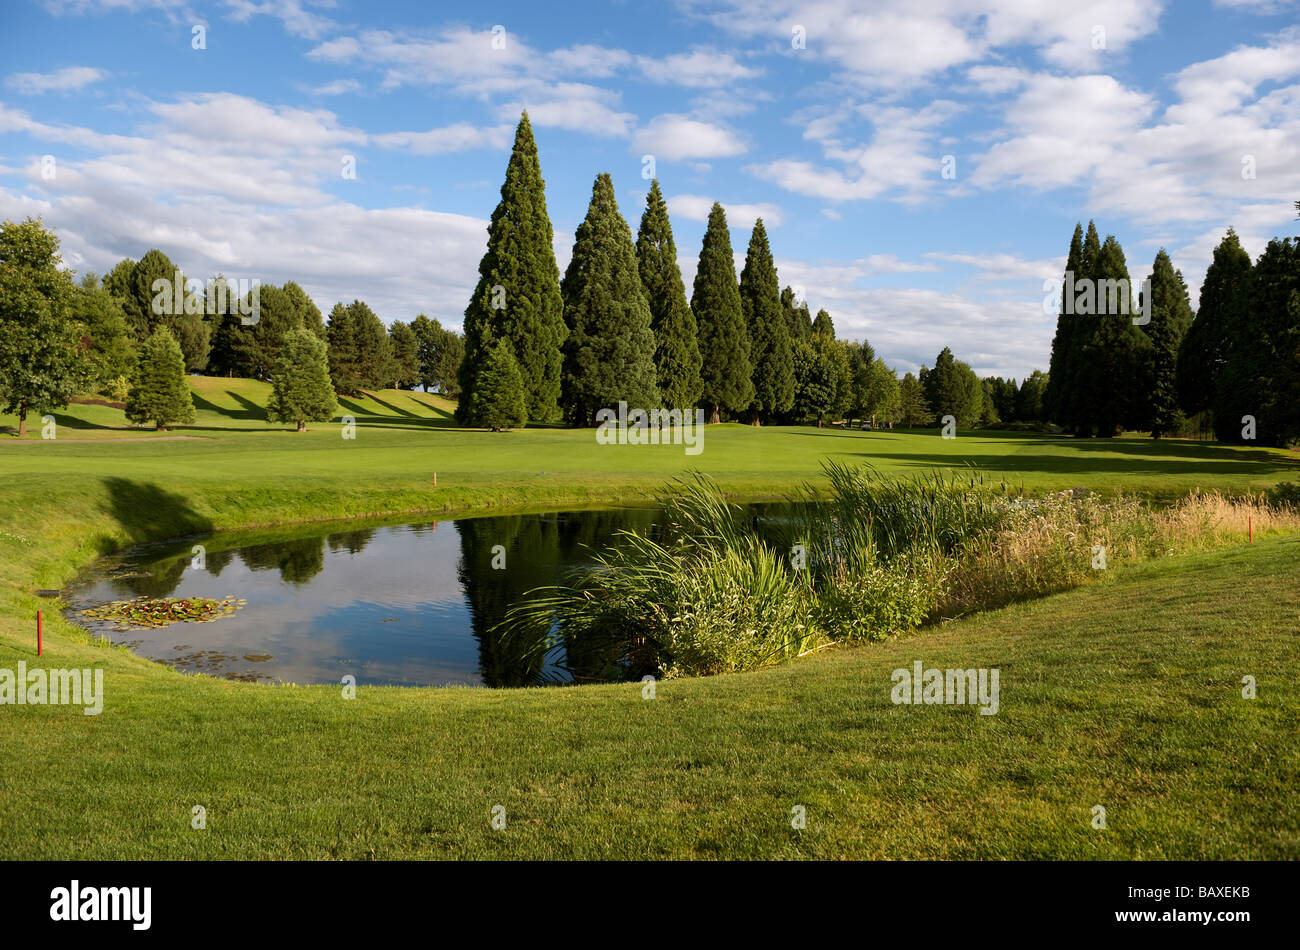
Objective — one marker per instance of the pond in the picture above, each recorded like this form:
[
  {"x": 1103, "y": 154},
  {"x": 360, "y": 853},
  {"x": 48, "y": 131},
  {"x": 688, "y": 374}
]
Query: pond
[{"x": 408, "y": 604}]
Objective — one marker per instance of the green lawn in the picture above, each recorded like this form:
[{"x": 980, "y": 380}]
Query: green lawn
[{"x": 1125, "y": 693}]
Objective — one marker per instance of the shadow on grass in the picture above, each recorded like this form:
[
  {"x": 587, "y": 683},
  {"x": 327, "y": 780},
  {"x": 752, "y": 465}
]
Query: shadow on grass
[{"x": 147, "y": 512}]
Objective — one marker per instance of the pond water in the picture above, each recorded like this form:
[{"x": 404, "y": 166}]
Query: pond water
[{"x": 409, "y": 604}]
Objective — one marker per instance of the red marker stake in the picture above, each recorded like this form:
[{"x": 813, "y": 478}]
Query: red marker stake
[{"x": 39, "y": 649}]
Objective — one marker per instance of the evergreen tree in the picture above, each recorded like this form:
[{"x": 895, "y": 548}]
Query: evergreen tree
[
  {"x": 760, "y": 301},
  {"x": 1171, "y": 315},
  {"x": 952, "y": 388},
  {"x": 1058, "y": 396},
  {"x": 500, "y": 401},
  {"x": 344, "y": 351},
  {"x": 1204, "y": 349},
  {"x": 151, "y": 296},
  {"x": 451, "y": 352},
  {"x": 1031, "y": 396},
  {"x": 822, "y": 326},
  {"x": 111, "y": 350},
  {"x": 1116, "y": 360},
  {"x": 159, "y": 393},
  {"x": 43, "y": 363},
  {"x": 427, "y": 335},
  {"x": 727, "y": 370},
  {"x": 1261, "y": 374},
  {"x": 609, "y": 351},
  {"x": 677, "y": 350},
  {"x": 797, "y": 320},
  {"x": 518, "y": 293},
  {"x": 913, "y": 410},
  {"x": 302, "y": 392},
  {"x": 406, "y": 357},
  {"x": 374, "y": 352}
]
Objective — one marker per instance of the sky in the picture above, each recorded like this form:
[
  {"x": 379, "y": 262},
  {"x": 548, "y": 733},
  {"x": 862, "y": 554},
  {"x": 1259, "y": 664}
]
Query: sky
[{"x": 919, "y": 164}]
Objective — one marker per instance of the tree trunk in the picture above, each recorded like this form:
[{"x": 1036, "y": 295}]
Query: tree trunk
[
  {"x": 158, "y": 426},
  {"x": 22, "y": 420},
  {"x": 715, "y": 417},
  {"x": 302, "y": 425}
]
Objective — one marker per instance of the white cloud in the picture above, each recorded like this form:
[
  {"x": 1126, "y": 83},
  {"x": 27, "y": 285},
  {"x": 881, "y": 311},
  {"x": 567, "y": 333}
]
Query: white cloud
[
  {"x": 335, "y": 88},
  {"x": 673, "y": 137},
  {"x": 68, "y": 79},
  {"x": 739, "y": 216},
  {"x": 700, "y": 67},
  {"x": 460, "y": 137}
]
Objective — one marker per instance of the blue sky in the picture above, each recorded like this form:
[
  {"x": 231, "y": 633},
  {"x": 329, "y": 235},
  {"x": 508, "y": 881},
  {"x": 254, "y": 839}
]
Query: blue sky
[{"x": 1138, "y": 113}]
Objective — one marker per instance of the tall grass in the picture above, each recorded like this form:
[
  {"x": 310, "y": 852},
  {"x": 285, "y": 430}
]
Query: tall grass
[{"x": 870, "y": 559}]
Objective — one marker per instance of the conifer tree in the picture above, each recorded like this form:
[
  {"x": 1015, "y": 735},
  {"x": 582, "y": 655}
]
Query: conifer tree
[
  {"x": 797, "y": 320},
  {"x": 1114, "y": 377},
  {"x": 159, "y": 393},
  {"x": 677, "y": 350},
  {"x": 301, "y": 392},
  {"x": 760, "y": 300},
  {"x": 500, "y": 400},
  {"x": 609, "y": 351},
  {"x": 406, "y": 356},
  {"x": 913, "y": 409},
  {"x": 822, "y": 326},
  {"x": 518, "y": 293},
  {"x": 1204, "y": 349},
  {"x": 1064, "y": 355},
  {"x": 344, "y": 355},
  {"x": 1171, "y": 315},
  {"x": 727, "y": 371}
]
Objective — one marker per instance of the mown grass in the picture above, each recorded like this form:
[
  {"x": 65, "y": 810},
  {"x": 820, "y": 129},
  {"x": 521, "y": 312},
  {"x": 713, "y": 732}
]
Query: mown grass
[{"x": 1123, "y": 692}]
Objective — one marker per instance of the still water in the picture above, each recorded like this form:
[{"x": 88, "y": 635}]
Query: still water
[{"x": 410, "y": 604}]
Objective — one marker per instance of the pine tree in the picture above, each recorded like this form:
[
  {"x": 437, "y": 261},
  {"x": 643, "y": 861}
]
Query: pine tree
[
  {"x": 609, "y": 351},
  {"x": 727, "y": 371},
  {"x": 1058, "y": 396},
  {"x": 302, "y": 392},
  {"x": 797, "y": 320},
  {"x": 952, "y": 388},
  {"x": 677, "y": 350},
  {"x": 500, "y": 400},
  {"x": 822, "y": 326},
  {"x": 1171, "y": 315},
  {"x": 1204, "y": 349},
  {"x": 159, "y": 393},
  {"x": 518, "y": 293},
  {"x": 344, "y": 355},
  {"x": 406, "y": 356},
  {"x": 760, "y": 301},
  {"x": 1115, "y": 374},
  {"x": 376, "y": 368},
  {"x": 913, "y": 410}
]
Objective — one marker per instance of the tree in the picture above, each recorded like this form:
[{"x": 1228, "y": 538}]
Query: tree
[
  {"x": 154, "y": 292},
  {"x": 344, "y": 355},
  {"x": 107, "y": 340},
  {"x": 797, "y": 320},
  {"x": 1171, "y": 315},
  {"x": 815, "y": 382},
  {"x": 1002, "y": 399},
  {"x": 450, "y": 354},
  {"x": 1059, "y": 398},
  {"x": 360, "y": 355},
  {"x": 406, "y": 356},
  {"x": 1030, "y": 397},
  {"x": 727, "y": 371},
  {"x": 1203, "y": 351},
  {"x": 860, "y": 357},
  {"x": 609, "y": 352},
  {"x": 518, "y": 293},
  {"x": 883, "y": 395},
  {"x": 988, "y": 415},
  {"x": 43, "y": 361},
  {"x": 952, "y": 388},
  {"x": 500, "y": 401},
  {"x": 822, "y": 326},
  {"x": 302, "y": 392},
  {"x": 913, "y": 410},
  {"x": 159, "y": 393},
  {"x": 677, "y": 350},
  {"x": 760, "y": 301},
  {"x": 1116, "y": 370}
]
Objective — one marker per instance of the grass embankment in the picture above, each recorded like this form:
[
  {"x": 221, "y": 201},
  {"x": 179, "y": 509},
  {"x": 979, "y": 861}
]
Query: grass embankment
[{"x": 1125, "y": 692}]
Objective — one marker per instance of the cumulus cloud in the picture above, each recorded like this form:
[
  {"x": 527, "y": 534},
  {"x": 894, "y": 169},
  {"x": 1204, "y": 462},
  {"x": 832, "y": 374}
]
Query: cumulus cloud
[
  {"x": 68, "y": 79},
  {"x": 673, "y": 137}
]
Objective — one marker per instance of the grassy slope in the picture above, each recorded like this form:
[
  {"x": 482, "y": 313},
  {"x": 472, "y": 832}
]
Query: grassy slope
[
  {"x": 1125, "y": 694},
  {"x": 410, "y": 772}
]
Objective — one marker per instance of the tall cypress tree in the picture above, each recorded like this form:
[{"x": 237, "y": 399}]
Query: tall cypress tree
[
  {"x": 1204, "y": 348},
  {"x": 1061, "y": 369},
  {"x": 677, "y": 349},
  {"x": 1171, "y": 315},
  {"x": 609, "y": 352},
  {"x": 797, "y": 319},
  {"x": 724, "y": 340},
  {"x": 518, "y": 292},
  {"x": 760, "y": 301}
]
